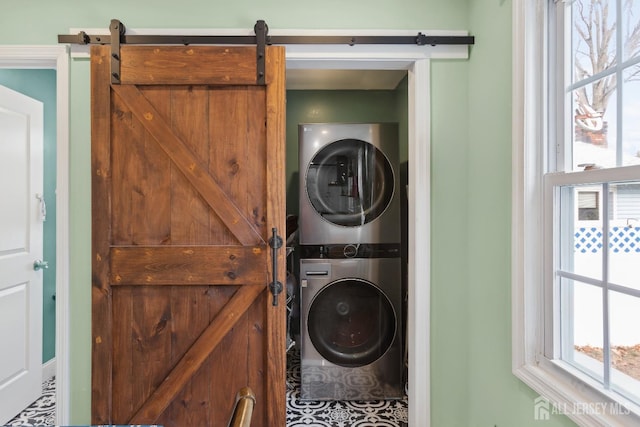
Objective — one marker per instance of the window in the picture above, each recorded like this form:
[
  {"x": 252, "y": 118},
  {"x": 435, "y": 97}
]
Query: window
[
  {"x": 588, "y": 205},
  {"x": 577, "y": 173}
]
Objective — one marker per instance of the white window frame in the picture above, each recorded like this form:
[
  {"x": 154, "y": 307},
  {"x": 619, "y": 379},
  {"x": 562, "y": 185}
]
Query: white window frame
[{"x": 557, "y": 383}]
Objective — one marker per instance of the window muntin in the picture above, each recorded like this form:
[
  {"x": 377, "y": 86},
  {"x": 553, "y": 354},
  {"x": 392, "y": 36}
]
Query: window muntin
[{"x": 631, "y": 115}]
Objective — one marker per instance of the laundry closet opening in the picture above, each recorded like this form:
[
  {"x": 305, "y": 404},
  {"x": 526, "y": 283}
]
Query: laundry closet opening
[{"x": 347, "y": 219}]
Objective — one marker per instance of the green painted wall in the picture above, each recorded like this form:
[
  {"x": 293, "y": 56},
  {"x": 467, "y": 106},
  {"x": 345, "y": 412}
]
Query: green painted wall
[
  {"x": 472, "y": 384},
  {"x": 496, "y": 397},
  {"x": 41, "y": 85}
]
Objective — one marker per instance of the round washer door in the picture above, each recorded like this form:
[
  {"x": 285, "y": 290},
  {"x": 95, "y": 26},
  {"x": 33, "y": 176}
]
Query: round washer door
[
  {"x": 351, "y": 322},
  {"x": 350, "y": 182}
]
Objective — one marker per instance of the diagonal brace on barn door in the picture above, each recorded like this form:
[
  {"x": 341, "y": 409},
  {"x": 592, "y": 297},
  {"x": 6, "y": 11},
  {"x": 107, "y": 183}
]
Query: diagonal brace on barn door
[
  {"x": 188, "y": 164},
  {"x": 195, "y": 357}
]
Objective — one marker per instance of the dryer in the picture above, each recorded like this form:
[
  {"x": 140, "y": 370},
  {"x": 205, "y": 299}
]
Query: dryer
[
  {"x": 351, "y": 327},
  {"x": 349, "y": 183}
]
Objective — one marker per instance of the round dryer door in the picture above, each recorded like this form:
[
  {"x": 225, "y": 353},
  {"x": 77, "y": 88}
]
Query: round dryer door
[
  {"x": 351, "y": 322},
  {"x": 350, "y": 182}
]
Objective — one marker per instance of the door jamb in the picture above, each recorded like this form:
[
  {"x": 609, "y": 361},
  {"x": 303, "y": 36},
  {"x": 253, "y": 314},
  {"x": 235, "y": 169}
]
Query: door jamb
[
  {"x": 417, "y": 63},
  {"x": 56, "y": 58}
]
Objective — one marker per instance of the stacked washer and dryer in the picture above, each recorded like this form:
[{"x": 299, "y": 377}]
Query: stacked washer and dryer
[{"x": 350, "y": 264}]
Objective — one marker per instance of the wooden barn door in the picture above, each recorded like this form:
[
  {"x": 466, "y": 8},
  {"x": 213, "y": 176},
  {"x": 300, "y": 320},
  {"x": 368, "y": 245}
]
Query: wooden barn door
[{"x": 187, "y": 184}]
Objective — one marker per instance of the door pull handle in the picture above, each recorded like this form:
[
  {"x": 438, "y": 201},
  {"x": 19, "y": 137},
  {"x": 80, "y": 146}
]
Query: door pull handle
[
  {"x": 275, "y": 242},
  {"x": 39, "y": 264}
]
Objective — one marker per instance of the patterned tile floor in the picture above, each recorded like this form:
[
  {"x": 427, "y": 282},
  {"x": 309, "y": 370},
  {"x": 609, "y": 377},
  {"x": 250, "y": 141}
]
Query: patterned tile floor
[
  {"x": 391, "y": 413},
  {"x": 378, "y": 413},
  {"x": 42, "y": 412}
]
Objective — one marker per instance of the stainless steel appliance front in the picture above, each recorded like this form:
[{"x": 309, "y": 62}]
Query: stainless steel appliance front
[
  {"x": 351, "y": 327},
  {"x": 349, "y": 183}
]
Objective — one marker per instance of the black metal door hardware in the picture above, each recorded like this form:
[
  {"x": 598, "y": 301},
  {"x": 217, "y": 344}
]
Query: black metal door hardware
[
  {"x": 275, "y": 242},
  {"x": 261, "y": 39}
]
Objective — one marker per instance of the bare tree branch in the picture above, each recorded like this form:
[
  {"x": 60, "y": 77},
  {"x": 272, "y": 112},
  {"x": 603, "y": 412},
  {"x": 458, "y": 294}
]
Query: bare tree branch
[{"x": 596, "y": 48}]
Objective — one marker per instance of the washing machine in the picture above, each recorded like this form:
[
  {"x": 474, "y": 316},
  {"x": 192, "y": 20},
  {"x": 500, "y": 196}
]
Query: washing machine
[
  {"x": 351, "y": 327},
  {"x": 349, "y": 183}
]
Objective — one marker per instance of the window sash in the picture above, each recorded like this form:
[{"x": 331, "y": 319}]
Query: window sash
[
  {"x": 560, "y": 346},
  {"x": 562, "y": 62}
]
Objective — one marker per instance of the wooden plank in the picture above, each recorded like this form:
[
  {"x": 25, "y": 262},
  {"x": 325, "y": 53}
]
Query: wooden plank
[
  {"x": 101, "y": 343},
  {"x": 220, "y": 295},
  {"x": 275, "y": 324},
  {"x": 151, "y": 195},
  {"x": 141, "y": 180},
  {"x": 190, "y": 306},
  {"x": 122, "y": 367},
  {"x": 227, "y": 126},
  {"x": 209, "y": 65},
  {"x": 192, "y": 406},
  {"x": 196, "y": 355},
  {"x": 187, "y": 265},
  {"x": 125, "y": 160},
  {"x": 151, "y": 334},
  {"x": 229, "y": 369},
  {"x": 239, "y": 155},
  {"x": 256, "y": 356},
  {"x": 255, "y": 192},
  {"x": 189, "y": 164},
  {"x": 190, "y": 214}
]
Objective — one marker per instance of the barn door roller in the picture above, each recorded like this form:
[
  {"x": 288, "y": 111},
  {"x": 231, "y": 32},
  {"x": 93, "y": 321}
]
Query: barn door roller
[
  {"x": 261, "y": 29},
  {"x": 117, "y": 31}
]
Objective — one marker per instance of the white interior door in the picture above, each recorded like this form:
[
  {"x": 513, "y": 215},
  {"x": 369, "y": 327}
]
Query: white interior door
[{"x": 21, "y": 217}]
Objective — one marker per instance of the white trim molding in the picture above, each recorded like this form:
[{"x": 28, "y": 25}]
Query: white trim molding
[
  {"x": 419, "y": 296},
  {"x": 49, "y": 369},
  {"x": 419, "y": 195},
  {"x": 57, "y": 58}
]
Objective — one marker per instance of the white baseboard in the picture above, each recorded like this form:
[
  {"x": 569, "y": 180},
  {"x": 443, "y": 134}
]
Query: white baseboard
[{"x": 49, "y": 369}]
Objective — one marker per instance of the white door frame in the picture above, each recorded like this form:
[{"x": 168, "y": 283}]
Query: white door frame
[
  {"x": 57, "y": 58},
  {"x": 416, "y": 61}
]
